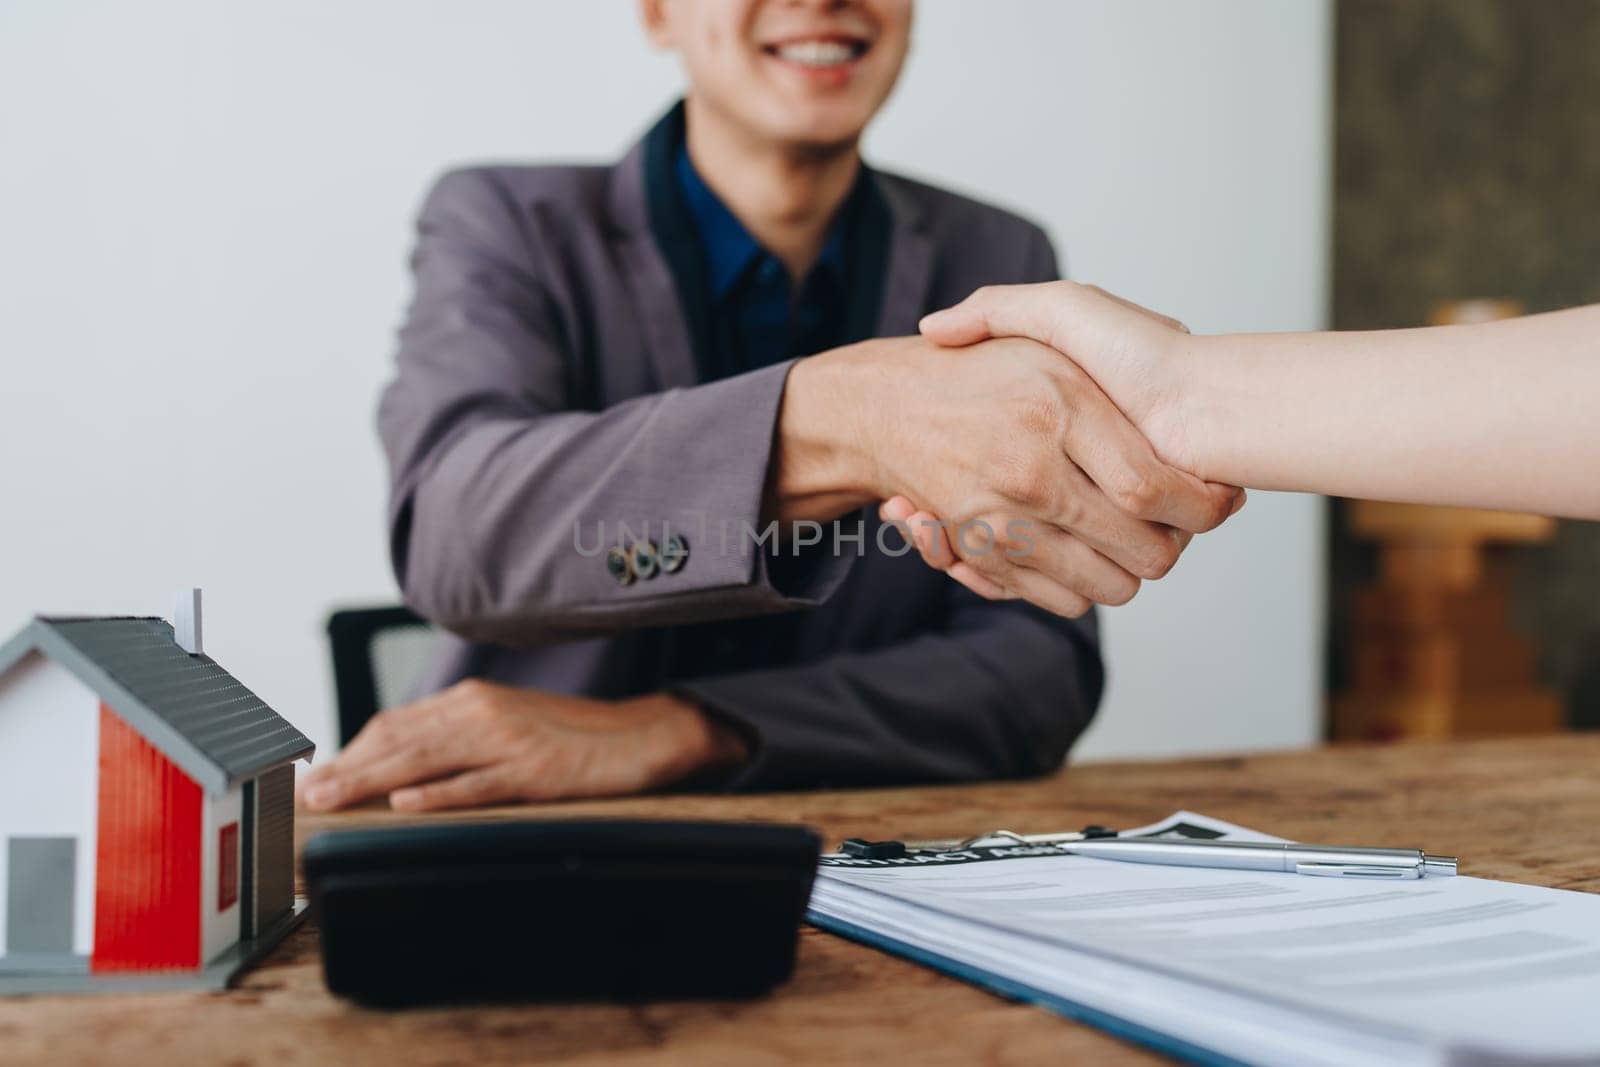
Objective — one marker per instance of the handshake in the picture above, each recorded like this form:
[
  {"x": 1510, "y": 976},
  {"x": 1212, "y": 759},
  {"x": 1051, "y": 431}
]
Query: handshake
[{"x": 1034, "y": 441}]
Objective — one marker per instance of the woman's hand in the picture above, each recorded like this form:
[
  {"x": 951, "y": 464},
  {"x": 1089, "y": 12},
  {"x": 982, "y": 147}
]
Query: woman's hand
[
  {"x": 1135, "y": 355},
  {"x": 1138, "y": 357}
]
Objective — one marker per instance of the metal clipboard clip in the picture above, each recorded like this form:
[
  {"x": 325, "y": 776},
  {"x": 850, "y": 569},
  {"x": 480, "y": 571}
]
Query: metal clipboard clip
[{"x": 861, "y": 848}]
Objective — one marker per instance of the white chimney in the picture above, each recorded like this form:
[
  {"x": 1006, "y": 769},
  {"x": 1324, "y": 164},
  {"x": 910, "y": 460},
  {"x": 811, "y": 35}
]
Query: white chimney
[{"x": 186, "y": 622}]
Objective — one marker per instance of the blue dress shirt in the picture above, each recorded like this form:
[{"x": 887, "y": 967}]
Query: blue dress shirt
[{"x": 758, "y": 317}]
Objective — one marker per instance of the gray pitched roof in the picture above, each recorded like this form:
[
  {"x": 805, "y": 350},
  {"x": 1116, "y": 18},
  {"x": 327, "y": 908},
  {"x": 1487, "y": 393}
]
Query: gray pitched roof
[{"x": 197, "y": 714}]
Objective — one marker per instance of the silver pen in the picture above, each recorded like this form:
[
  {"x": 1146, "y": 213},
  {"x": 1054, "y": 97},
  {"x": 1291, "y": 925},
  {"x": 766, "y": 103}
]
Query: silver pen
[{"x": 1270, "y": 856}]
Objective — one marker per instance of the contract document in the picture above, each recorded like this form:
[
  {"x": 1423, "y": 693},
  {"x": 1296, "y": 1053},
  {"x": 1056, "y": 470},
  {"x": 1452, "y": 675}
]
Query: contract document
[{"x": 1227, "y": 966}]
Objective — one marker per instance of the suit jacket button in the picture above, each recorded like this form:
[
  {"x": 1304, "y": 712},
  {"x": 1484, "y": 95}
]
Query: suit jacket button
[
  {"x": 674, "y": 551},
  {"x": 619, "y": 566},
  {"x": 645, "y": 561}
]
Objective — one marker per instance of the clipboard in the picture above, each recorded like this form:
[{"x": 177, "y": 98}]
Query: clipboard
[
  {"x": 1021, "y": 993},
  {"x": 1000, "y": 985}
]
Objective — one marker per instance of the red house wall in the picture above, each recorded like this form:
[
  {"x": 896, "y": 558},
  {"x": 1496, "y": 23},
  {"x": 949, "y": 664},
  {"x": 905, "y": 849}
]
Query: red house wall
[{"x": 147, "y": 857}]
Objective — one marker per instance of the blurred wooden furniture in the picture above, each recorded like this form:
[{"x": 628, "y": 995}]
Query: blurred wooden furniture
[
  {"x": 1432, "y": 652},
  {"x": 1521, "y": 809}
]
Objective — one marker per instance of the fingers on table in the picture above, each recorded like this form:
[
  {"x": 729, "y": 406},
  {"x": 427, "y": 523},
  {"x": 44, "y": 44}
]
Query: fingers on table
[
  {"x": 398, "y": 747},
  {"x": 474, "y": 788}
]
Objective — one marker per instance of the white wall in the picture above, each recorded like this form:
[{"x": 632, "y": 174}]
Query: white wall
[
  {"x": 206, "y": 207},
  {"x": 219, "y": 928},
  {"x": 49, "y": 756}
]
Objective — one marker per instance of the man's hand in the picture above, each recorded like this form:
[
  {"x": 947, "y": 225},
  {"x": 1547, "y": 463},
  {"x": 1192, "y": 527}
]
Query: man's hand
[
  {"x": 1134, "y": 353},
  {"x": 478, "y": 743},
  {"x": 1050, "y": 493}
]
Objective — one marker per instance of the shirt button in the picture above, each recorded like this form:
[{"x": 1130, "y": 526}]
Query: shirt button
[
  {"x": 770, "y": 270},
  {"x": 619, "y": 566},
  {"x": 674, "y": 552},
  {"x": 645, "y": 560}
]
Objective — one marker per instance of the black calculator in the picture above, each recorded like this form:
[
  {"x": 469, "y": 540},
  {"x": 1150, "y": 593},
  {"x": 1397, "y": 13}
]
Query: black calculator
[{"x": 571, "y": 909}]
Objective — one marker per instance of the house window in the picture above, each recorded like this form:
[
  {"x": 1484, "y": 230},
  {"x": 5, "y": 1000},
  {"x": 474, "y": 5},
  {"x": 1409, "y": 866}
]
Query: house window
[{"x": 228, "y": 867}]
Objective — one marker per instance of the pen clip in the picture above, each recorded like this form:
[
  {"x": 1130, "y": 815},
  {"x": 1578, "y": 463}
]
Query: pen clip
[
  {"x": 1088, "y": 833},
  {"x": 1356, "y": 870}
]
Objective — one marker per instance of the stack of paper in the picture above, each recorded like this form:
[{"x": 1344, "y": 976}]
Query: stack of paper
[{"x": 1236, "y": 966}]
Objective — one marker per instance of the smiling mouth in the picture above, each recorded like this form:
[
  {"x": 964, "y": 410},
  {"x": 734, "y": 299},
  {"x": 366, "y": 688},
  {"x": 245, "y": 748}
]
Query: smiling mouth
[{"x": 819, "y": 53}]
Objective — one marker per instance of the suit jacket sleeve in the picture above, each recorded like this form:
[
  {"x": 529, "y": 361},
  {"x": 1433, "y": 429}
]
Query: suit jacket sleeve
[
  {"x": 999, "y": 689},
  {"x": 498, "y": 486}
]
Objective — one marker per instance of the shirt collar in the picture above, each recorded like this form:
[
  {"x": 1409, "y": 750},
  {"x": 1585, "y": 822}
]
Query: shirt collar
[{"x": 729, "y": 248}]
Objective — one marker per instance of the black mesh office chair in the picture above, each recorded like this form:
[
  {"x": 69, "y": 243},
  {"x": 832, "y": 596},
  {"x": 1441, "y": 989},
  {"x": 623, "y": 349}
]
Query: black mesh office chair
[{"x": 378, "y": 656}]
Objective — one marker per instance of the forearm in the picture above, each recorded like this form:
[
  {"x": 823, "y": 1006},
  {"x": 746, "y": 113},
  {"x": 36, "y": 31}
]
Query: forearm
[
  {"x": 501, "y": 532},
  {"x": 1002, "y": 692},
  {"x": 823, "y": 462},
  {"x": 1492, "y": 415},
  {"x": 690, "y": 746}
]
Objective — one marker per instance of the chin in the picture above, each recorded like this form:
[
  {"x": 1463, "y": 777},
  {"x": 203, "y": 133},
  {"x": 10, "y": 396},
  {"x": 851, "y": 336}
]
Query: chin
[{"x": 811, "y": 125}]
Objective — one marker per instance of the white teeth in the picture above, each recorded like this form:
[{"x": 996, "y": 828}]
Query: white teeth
[{"x": 817, "y": 53}]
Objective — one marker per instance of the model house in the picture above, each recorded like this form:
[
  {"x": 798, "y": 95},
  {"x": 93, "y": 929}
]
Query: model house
[{"x": 146, "y": 808}]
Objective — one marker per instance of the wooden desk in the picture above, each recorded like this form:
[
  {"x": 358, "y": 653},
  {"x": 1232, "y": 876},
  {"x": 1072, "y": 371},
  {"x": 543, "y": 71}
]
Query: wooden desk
[{"x": 1527, "y": 810}]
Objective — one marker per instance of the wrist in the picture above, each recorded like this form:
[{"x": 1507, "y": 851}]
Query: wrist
[
  {"x": 691, "y": 741},
  {"x": 826, "y": 456},
  {"x": 1182, "y": 426}
]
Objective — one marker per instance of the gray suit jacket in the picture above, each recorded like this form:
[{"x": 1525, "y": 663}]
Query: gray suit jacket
[{"x": 546, "y": 383}]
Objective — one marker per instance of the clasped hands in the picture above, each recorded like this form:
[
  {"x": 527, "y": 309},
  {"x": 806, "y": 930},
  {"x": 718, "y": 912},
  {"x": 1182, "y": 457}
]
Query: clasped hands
[
  {"x": 1033, "y": 441},
  {"x": 1096, "y": 464}
]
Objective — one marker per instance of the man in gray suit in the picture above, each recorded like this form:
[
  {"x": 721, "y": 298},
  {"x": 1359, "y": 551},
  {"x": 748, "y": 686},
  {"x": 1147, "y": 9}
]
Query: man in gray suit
[{"x": 649, "y": 524}]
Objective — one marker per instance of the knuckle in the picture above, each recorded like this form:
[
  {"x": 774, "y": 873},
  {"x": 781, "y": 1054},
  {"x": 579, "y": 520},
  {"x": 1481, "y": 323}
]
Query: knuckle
[
  {"x": 1207, "y": 511},
  {"x": 482, "y": 710},
  {"x": 1071, "y": 511},
  {"x": 1012, "y": 536},
  {"x": 1069, "y": 605},
  {"x": 990, "y": 565},
  {"x": 1140, "y": 494},
  {"x": 497, "y": 737},
  {"x": 1077, "y": 609},
  {"x": 974, "y": 537},
  {"x": 410, "y": 758},
  {"x": 470, "y": 688},
  {"x": 381, "y": 727},
  {"x": 1041, "y": 413},
  {"x": 1028, "y": 479},
  {"x": 1157, "y": 567},
  {"x": 1210, "y": 513},
  {"x": 1221, "y": 510},
  {"x": 1120, "y": 591},
  {"x": 1162, "y": 558}
]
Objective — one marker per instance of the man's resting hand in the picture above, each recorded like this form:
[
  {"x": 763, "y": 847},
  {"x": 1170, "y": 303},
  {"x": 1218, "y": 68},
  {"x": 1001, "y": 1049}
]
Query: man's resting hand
[{"x": 479, "y": 743}]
